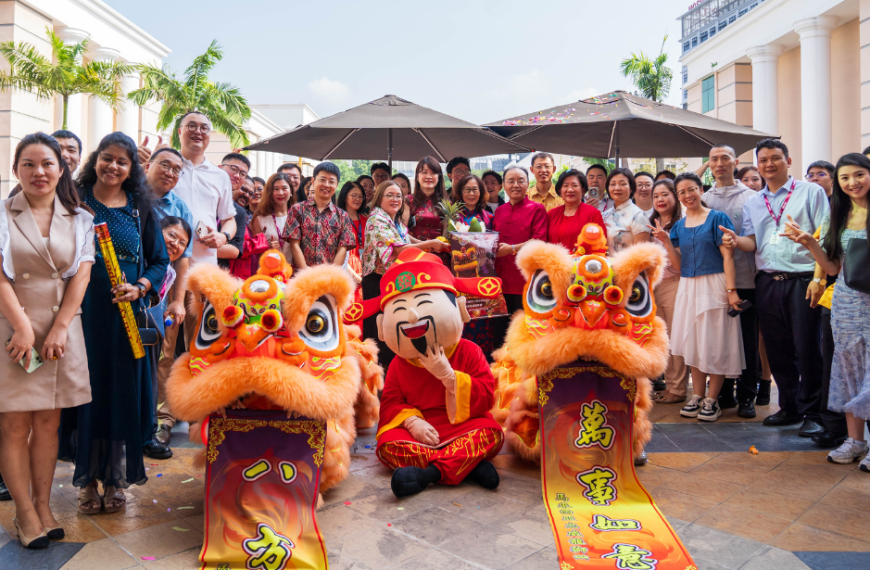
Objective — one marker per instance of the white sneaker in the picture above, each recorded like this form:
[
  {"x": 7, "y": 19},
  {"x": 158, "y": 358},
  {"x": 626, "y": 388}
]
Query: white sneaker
[
  {"x": 850, "y": 451},
  {"x": 710, "y": 410},
  {"x": 865, "y": 464},
  {"x": 692, "y": 408}
]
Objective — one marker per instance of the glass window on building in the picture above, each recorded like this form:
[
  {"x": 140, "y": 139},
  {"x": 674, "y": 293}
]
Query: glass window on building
[
  {"x": 708, "y": 94},
  {"x": 722, "y": 25},
  {"x": 703, "y": 37},
  {"x": 712, "y": 32},
  {"x": 686, "y": 47},
  {"x": 694, "y": 41},
  {"x": 743, "y": 11},
  {"x": 732, "y": 19}
]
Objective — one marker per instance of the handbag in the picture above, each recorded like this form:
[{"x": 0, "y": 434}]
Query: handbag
[
  {"x": 150, "y": 316},
  {"x": 856, "y": 265}
]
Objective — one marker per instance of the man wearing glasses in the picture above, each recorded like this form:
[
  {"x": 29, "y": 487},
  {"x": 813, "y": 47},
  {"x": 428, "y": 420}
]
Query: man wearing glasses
[
  {"x": 236, "y": 166},
  {"x": 162, "y": 172},
  {"x": 458, "y": 168},
  {"x": 380, "y": 172},
  {"x": 544, "y": 191},
  {"x": 822, "y": 173},
  {"x": 317, "y": 231}
]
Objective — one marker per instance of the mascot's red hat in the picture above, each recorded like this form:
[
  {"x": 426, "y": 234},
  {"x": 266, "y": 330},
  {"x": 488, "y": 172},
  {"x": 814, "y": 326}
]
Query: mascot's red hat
[{"x": 415, "y": 269}]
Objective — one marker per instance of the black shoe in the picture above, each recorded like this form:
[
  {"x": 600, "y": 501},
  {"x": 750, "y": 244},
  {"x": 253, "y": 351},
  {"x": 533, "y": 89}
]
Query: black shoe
[
  {"x": 485, "y": 475},
  {"x": 746, "y": 409},
  {"x": 411, "y": 480},
  {"x": 4, "y": 492},
  {"x": 828, "y": 440},
  {"x": 659, "y": 385},
  {"x": 780, "y": 418},
  {"x": 156, "y": 450},
  {"x": 810, "y": 428},
  {"x": 726, "y": 395},
  {"x": 763, "y": 397},
  {"x": 641, "y": 460}
]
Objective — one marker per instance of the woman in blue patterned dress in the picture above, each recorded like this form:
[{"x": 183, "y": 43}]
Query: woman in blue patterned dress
[
  {"x": 105, "y": 437},
  {"x": 850, "y": 311}
]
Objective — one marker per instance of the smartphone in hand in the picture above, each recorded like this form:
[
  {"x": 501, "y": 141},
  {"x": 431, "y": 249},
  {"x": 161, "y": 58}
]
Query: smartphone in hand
[
  {"x": 745, "y": 304},
  {"x": 202, "y": 230},
  {"x": 35, "y": 360}
]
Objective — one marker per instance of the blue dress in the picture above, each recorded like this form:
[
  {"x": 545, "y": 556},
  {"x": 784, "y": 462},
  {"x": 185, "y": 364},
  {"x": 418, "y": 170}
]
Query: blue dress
[
  {"x": 105, "y": 437},
  {"x": 850, "y": 322}
]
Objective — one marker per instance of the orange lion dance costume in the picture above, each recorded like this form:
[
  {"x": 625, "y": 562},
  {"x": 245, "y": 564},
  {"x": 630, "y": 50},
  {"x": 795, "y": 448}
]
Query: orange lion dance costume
[
  {"x": 574, "y": 393},
  {"x": 277, "y": 385}
]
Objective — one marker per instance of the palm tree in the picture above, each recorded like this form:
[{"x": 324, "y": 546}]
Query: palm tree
[
  {"x": 31, "y": 71},
  {"x": 222, "y": 103},
  {"x": 652, "y": 78}
]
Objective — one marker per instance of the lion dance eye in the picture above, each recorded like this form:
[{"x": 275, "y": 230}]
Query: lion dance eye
[
  {"x": 636, "y": 294},
  {"x": 315, "y": 324}
]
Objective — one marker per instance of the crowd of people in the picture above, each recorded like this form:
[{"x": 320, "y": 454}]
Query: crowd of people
[{"x": 748, "y": 296}]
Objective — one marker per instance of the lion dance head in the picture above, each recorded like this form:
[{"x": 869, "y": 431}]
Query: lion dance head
[
  {"x": 275, "y": 343},
  {"x": 581, "y": 305}
]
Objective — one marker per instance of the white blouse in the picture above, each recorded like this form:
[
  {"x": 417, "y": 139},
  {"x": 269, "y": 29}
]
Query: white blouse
[{"x": 85, "y": 247}]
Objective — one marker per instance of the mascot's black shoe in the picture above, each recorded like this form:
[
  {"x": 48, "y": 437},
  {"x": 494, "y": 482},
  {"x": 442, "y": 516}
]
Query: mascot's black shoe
[
  {"x": 484, "y": 475},
  {"x": 411, "y": 480}
]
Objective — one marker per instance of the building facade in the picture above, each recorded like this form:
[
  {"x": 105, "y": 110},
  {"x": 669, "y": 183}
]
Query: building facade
[{"x": 795, "y": 68}]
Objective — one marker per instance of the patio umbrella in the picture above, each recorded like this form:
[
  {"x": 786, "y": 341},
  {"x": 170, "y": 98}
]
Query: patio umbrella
[
  {"x": 619, "y": 124},
  {"x": 389, "y": 126}
]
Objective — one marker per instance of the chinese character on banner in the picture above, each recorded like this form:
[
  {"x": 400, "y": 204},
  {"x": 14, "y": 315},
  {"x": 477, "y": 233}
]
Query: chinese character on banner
[
  {"x": 631, "y": 557},
  {"x": 268, "y": 550},
  {"x": 599, "y": 485},
  {"x": 595, "y": 431}
]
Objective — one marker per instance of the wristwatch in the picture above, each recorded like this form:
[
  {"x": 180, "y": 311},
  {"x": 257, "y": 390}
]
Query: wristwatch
[
  {"x": 818, "y": 280},
  {"x": 141, "y": 288},
  {"x": 228, "y": 236},
  {"x": 730, "y": 290}
]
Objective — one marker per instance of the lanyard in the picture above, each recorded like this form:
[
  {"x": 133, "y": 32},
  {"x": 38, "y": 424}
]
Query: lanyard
[
  {"x": 781, "y": 210},
  {"x": 277, "y": 229},
  {"x": 359, "y": 232}
]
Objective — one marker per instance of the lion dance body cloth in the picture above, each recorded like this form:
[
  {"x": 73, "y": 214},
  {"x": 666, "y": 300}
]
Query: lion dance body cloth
[
  {"x": 574, "y": 392},
  {"x": 275, "y": 386}
]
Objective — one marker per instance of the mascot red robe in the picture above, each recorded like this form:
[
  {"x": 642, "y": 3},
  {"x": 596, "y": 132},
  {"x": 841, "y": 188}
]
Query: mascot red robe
[{"x": 435, "y": 421}]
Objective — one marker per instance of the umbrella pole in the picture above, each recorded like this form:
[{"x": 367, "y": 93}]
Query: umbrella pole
[{"x": 390, "y": 151}]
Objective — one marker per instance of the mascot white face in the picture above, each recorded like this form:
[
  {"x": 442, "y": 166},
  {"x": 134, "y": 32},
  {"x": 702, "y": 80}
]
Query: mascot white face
[{"x": 418, "y": 319}]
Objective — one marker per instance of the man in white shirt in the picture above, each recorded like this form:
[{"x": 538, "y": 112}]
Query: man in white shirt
[{"x": 728, "y": 196}]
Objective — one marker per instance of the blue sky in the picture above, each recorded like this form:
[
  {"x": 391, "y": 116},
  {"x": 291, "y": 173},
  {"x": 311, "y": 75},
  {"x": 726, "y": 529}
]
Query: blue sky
[{"x": 478, "y": 60}]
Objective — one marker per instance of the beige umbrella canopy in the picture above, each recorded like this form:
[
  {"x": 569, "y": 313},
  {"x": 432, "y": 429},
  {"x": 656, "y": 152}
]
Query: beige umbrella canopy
[
  {"x": 619, "y": 124},
  {"x": 392, "y": 127}
]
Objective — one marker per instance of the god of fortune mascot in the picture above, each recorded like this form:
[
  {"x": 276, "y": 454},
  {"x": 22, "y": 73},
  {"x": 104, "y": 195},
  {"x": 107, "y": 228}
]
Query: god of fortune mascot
[
  {"x": 574, "y": 392},
  {"x": 435, "y": 423},
  {"x": 273, "y": 382}
]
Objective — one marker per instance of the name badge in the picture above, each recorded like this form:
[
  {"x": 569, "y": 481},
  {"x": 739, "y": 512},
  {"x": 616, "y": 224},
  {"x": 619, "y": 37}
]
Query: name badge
[{"x": 774, "y": 239}]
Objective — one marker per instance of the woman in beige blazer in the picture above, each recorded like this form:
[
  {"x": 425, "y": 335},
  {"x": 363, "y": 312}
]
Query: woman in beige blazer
[{"x": 47, "y": 248}]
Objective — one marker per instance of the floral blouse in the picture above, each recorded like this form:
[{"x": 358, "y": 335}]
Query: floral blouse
[
  {"x": 381, "y": 235},
  {"x": 623, "y": 222}
]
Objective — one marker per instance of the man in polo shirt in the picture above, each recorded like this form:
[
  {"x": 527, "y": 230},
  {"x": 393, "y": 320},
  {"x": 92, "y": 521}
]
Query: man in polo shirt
[
  {"x": 544, "y": 192},
  {"x": 318, "y": 232},
  {"x": 791, "y": 328},
  {"x": 162, "y": 172},
  {"x": 729, "y": 196},
  {"x": 517, "y": 221}
]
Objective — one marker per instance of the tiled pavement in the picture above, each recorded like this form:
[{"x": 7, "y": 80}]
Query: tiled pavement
[{"x": 783, "y": 509}]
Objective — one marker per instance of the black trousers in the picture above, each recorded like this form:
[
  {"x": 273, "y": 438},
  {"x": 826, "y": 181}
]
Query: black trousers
[
  {"x": 833, "y": 422},
  {"x": 500, "y": 324},
  {"x": 371, "y": 288},
  {"x": 747, "y": 384},
  {"x": 791, "y": 332}
]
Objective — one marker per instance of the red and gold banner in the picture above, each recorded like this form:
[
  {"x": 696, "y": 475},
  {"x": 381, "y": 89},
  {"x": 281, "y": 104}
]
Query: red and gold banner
[
  {"x": 262, "y": 479},
  {"x": 601, "y": 515}
]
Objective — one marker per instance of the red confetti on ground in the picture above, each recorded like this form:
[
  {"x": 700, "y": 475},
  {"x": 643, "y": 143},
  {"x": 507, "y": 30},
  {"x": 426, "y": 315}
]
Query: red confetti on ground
[
  {"x": 347, "y": 502},
  {"x": 388, "y": 524}
]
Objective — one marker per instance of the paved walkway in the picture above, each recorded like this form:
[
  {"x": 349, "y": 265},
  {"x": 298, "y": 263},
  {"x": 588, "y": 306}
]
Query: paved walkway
[{"x": 783, "y": 509}]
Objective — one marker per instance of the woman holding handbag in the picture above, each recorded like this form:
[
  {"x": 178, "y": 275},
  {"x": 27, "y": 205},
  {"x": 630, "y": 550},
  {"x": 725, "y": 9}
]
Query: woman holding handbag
[
  {"x": 844, "y": 245},
  {"x": 105, "y": 438}
]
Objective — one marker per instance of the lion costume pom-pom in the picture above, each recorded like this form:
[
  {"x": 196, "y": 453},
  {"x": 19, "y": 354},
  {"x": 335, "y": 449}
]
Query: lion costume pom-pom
[{"x": 581, "y": 306}]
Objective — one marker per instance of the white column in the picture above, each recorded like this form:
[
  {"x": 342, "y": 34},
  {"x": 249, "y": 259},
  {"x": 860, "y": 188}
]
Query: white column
[
  {"x": 815, "y": 34},
  {"x": 70, "y": 36},
  {"x": 100, "y": 115},
  {"x": 128, "y": 119},
  {"x": 764, "y": 87}
]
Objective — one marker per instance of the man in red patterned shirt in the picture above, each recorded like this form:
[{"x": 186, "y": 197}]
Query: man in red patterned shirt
[{"x": 317, "y": 232}]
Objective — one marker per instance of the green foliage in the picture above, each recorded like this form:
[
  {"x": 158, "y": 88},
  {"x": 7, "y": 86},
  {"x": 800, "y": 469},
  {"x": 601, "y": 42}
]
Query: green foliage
[
  {"x": 353, "y": 169},
  {"x": 651, "y": 77},
  {"x": 31, "y": 71},
  {"x": 222, "y": 103},
  {"x": 600, "y": 161}
]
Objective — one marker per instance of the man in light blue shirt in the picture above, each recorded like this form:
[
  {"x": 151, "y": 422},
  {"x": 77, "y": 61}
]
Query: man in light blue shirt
[
  {"x": 162, "y": 172},
  {"x": 790, "y": 327}
]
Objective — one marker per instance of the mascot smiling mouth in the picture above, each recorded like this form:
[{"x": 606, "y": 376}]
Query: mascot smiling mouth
[{"x": 416, "y": 332}]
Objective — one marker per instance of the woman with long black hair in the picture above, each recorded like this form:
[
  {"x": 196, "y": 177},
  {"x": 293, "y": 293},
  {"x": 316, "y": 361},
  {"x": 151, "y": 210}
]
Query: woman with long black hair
[
  {"x": 844, "y": 246},
  {"x": 105, "y": 437}
]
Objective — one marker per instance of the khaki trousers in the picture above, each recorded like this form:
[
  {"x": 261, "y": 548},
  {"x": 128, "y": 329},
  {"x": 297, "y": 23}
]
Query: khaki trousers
[
  {"x": 167, "y": 359},
  {"x": 677, "y": 374}
]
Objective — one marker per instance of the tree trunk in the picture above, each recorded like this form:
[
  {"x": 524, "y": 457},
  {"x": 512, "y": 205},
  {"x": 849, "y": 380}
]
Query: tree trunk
[
  {"x": 660, "y": 165},
  {"x": 65, "y": 103}
]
